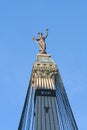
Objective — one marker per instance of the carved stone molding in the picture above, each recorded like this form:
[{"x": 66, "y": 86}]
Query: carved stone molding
[
  {"x": 44, "y": 70},
  {"x": 43, "y": 75}
]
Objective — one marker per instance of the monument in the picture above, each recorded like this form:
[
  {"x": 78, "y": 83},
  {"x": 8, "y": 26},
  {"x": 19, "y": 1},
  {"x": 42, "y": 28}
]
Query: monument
[{"x": 46, "y": 104}]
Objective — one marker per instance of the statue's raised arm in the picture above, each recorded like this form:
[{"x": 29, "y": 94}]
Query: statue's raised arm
[
  {"x": 46, "y": 33},
  {"x": 41, "y": 41}
]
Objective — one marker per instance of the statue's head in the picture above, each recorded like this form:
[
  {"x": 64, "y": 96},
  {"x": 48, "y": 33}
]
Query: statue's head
[{"x": 40, "y": 34}]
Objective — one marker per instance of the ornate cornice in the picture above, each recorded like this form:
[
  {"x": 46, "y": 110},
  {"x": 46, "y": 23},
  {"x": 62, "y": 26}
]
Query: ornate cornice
[
  {"x": 44, "y": 74},
  {"x": 44, "y": 70}
]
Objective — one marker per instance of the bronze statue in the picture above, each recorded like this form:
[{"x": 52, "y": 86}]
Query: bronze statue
[{"x": 41, "y": 42}]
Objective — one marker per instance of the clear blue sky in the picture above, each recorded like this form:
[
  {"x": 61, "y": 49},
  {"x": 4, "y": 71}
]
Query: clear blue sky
[{"x": 67, "y": 43}]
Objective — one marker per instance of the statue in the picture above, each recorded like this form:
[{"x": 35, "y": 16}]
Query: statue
[{"x": 41, "y": 42}]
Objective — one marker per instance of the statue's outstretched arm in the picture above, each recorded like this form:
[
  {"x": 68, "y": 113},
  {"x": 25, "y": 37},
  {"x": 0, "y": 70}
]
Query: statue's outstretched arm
[
  {"x": 46, "y": 33},
  {"x": 36, "y": 39}
]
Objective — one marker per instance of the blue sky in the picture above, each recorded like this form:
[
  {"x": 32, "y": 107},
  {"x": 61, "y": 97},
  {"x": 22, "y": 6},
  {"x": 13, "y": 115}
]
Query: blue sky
[{"x": 67, "y": 43}]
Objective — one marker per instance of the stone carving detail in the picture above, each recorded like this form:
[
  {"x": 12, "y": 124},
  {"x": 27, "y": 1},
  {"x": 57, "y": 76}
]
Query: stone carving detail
[
  {"x": 44, "y": 70},
  {"x": 44, "y": 74}
]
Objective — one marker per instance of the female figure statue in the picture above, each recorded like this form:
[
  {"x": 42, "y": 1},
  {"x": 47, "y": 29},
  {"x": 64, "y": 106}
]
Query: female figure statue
[{"x": 41, "y": 41}]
